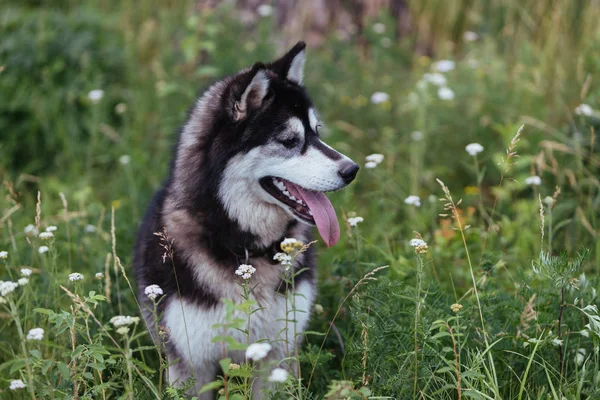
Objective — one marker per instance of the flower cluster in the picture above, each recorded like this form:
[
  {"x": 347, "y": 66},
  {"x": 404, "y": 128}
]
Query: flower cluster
[
  {"x": 51, "y": 228},
  {"x": 26, "y": 271},
  {"x": 420, "y": 246},
  {"x": 533, "y": 180},
  {"x": 413, "y": 200},
  {"x": 124, "y": 320},
  {"x": 35, "y": 334},
  {"x": 31, "y": 230},
  {"x": 474, "y": 148},
  {"x": 46, "y": 235},
  {"x": 43, "y": 249},
  {"x": 7, "y": 287},
  {"x": 284, "y": 259},
  {"x": 96, "y": 95},
  {"x": 99, "y": 275},
  {"x": 16, "y": 384},
  {"x": 3, "y": 255},
  {"x": 22, "y": 281},
  {"x": 584, "y": 109},
  {"x": 288, "y": 245},
  {"x": 456, "y": 307},
  {"x": 354, "y": 221},
  {"x": 153, "y": 291},
  {"x": 373, "y": 160},
  {"x": 75, "y": 276},
  {"x": 278, "y": 375},
  {"x": 244, "y": 270},
  {"x": 379, "y": 97},
  {"x": 258, "y": 351}
]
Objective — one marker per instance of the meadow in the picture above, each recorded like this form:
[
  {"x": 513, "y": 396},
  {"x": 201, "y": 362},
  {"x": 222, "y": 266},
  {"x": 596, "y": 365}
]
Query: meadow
[{"x": 469, "y": 258}]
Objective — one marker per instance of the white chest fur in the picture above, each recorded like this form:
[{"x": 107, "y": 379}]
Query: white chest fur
[{"x": 191, "y": 326}]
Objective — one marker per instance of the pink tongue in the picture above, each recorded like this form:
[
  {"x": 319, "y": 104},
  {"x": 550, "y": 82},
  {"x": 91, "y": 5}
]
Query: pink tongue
[{"x": 322, "y": 211}]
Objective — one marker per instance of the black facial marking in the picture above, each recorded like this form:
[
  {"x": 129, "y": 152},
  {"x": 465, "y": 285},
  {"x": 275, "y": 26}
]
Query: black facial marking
[{"x": 316, "y": 143}]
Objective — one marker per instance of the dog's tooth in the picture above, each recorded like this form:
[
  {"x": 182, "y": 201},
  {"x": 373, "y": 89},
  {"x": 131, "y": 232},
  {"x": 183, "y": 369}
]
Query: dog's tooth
[
  {"x": 309, "y": 212},
  {"x": 299, "y": 201},
  {"x": 292, "y": 198},
  {"x": 286, "y": 193}
]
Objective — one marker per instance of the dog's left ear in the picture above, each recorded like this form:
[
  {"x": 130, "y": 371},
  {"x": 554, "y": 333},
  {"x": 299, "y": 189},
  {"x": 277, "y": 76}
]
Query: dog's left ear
[{"x": 291, "y": 65}]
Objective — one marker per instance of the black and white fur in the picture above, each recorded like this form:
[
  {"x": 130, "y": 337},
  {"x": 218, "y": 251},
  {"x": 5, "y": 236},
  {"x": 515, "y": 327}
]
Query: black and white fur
[{"x": 256, "y": 124}]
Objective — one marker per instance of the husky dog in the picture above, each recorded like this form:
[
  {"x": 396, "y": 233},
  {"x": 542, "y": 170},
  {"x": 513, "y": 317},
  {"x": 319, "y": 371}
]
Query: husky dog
[{"x": 249, "y": 170}]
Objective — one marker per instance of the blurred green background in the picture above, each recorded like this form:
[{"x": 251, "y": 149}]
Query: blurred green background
[{"x": 94, "y": 92}]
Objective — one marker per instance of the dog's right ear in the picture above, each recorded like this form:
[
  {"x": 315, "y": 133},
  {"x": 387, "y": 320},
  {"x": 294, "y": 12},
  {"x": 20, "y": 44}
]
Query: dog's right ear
[{"x": 254, "y": 94}]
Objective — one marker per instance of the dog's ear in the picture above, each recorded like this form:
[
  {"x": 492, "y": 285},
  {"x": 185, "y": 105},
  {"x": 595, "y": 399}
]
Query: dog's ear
[
  {"x": 254, "y": 94},
  {"x": 291, "y": 65}
]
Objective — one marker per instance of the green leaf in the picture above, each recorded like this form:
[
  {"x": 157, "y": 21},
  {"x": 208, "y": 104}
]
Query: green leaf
[
  {"x": 214, "y": 385},
  {"x": 225, "y": 365}
]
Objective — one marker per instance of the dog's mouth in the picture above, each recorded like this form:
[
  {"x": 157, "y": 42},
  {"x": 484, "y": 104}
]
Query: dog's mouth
[{"x": 308, "y": 206}]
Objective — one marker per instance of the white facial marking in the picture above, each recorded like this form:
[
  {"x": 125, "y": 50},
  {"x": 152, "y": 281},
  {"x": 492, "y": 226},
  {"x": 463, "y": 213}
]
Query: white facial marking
[
  {"x": 312, "y": 119},
  {"x": 295, "y": 125}
]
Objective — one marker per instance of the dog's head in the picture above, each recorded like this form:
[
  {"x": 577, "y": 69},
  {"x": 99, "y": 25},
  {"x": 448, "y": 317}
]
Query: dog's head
[{"x": 266, "y": 133}]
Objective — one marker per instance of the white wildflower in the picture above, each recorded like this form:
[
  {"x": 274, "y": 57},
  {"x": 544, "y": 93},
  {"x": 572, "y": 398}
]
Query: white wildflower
[
  {"x": 125, "y": 159},
  {"x": 584, "y": 109},
  {"x": 444, "y": 65},
  {"x": 557, "y": 342},
  {"x": 89, "y": 228},
  {"x": 46, "y": 235},
  {"x": 282, "y": 258},
  {"x": 153, "y": 291},
  {"x": 258, "y": 351},
  {"x": 2, "y": 300},
  {"x": 354, "y": 221},
  {"x": 123, "y": 330},
  {"x": 246, "y": 271},
  {"x": 26, "y": 271},
  {"x": 31, "y": 229},
  {"x": 435, "y": 78},
  {"x": 533, "y": 180},
  {"x": 370, "y": 164},
  {"x": 470, "y": 36},
  {"x": 376, "y": 158},
  {"x": 3, "y": 255},
  {"x": 96, "y": 95},
  {"x": 445, "y": 93},
  {"x": 413, "y": 200},
  {"x": 278, "y": 375},
  {"x": 43, "y": 249},
  {"x": 548, "y": 200},
  {"x": 35, "y": 334},
  {"x": 76, "y": 276},
  {"x": 51, "y": 228},
  {"x": 319, "y": 309},
  {"x": 99, "y": 275},
  {"x": 474, "y": 148},
  {"x": 417, "y": 242},
  {"x": 417, "y": 136},
  {"x": 7, "y": 287},
  {"x": 265, "y": 10},
  {"x": 121, "y": 108},
  {"x": 16, "y": 384},
  {"x": 22, "y": 281},
  {"x": 379, "y": 97},
  {"x": 289, "y": 242},
  {"x": 379, "y": 28},
  {"x": 580, "y": 358},
  {"x": 123, "y": 320}
]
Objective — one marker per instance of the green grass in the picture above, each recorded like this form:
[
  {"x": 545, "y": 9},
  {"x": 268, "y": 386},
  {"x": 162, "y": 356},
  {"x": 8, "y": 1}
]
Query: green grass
[{"x": 518, "y": 263}]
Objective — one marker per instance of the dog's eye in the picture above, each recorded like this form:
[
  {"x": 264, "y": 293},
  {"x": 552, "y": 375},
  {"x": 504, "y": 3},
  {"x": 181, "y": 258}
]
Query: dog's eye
[{"x": 290, "y": 143}]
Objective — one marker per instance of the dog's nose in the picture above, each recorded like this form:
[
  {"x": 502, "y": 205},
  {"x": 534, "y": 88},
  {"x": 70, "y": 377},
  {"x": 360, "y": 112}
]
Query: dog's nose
[{"x": 348, "y": 171}]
